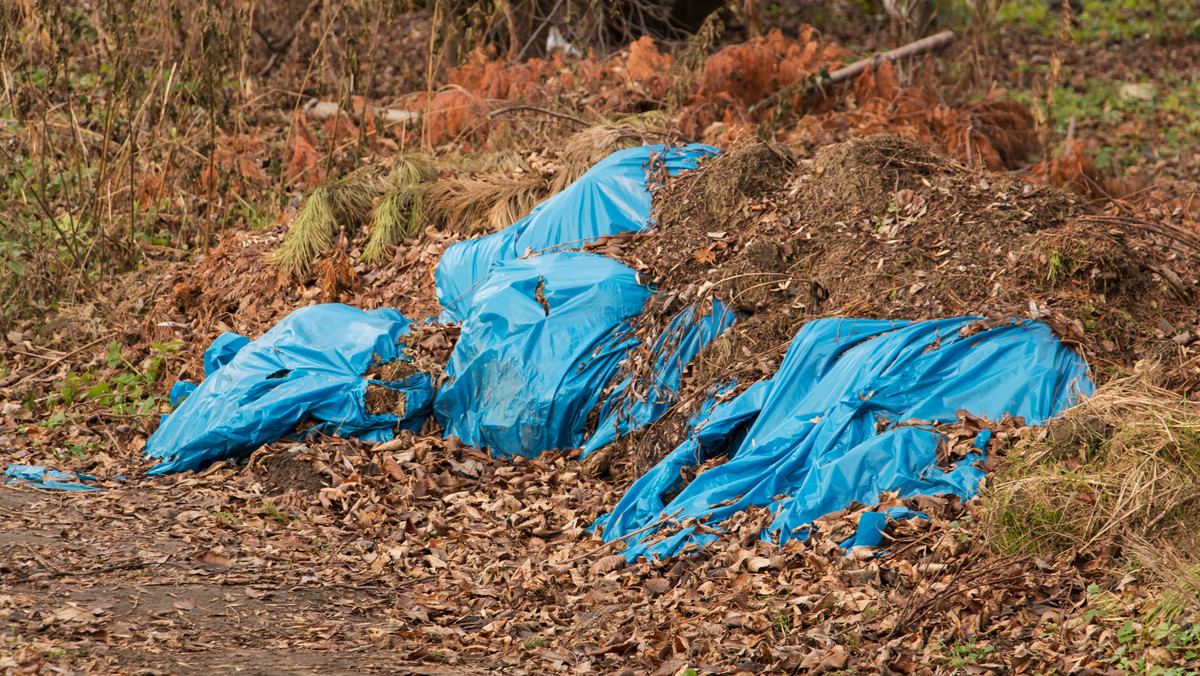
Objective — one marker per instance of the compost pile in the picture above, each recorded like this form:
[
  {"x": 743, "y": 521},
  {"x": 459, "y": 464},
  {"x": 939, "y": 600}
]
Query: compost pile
[{"x": 885, "y": 228}]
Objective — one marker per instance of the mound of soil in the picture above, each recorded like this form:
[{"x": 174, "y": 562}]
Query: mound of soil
[{"x": 887, "y": 228}]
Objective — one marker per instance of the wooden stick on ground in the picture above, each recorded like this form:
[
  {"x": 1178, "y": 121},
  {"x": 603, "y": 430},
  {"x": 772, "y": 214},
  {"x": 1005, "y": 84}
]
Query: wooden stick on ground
[{"x": 929, "y": 44}]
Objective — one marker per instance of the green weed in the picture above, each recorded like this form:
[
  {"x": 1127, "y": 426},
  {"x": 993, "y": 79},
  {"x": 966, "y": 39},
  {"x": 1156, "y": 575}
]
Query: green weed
[
  {"x": 536, "y": 641},
  {"x": 272, "y": 512}
]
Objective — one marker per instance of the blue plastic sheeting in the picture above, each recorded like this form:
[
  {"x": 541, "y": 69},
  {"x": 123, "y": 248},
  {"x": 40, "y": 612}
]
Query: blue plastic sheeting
[
  {"x": 635, "y": 405},
  {"x": 37, "y": 476},
  {"x": 524, "y": 375},
  {"x": 309, "y": 367},
  {"x": 611, "y": 198},
  {"x": 812, "y": 428},
  {"x": 871, "y": 526}
]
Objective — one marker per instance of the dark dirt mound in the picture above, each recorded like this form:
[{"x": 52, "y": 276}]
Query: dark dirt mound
[{"x": 290, "y": 471}]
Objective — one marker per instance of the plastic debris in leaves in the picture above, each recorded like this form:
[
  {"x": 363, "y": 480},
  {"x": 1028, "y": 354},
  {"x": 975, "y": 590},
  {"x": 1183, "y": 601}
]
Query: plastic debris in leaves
[
  {"x": 541, "y": 340},
  {"x": 36, "y": 476},
  {"x": 850, "y": 413},
  {"x": 308, "y": 369},
  {"x": 810, "y": 432}
]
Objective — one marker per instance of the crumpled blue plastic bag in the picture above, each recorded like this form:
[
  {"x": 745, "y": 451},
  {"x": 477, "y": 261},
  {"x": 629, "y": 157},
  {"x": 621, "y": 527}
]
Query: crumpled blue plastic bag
[
  {"x": 309, "y": 367},
  {"x": 812, "y": 427},
  {"x": 611, "y": 198},
  {"x": 542, "y": 339}
]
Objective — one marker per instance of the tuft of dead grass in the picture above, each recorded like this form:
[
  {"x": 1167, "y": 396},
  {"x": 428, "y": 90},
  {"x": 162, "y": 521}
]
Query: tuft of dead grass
[
  {"x": 587, "y": 147},
  {"x": 484, "y": 203},
  {"x": 1111, "y": 484}
]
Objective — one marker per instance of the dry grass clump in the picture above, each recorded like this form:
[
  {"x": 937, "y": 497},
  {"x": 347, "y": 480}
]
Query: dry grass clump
[
  {"x": 593, "y": 144},
  {"x": 482, "y": 196},
  {"x": 485, "y": 203},
  {"x": 1114, "y": 482}
]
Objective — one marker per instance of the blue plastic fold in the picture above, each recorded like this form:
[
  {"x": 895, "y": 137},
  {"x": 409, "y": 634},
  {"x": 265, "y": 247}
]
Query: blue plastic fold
[
  {"x": 309, "y": 367},
  {"x": 611, "y": 198},
  {"x": 36, "y": 476},
  {"x": 813, "y": 438},
  {"x": 524, "y": 375}
]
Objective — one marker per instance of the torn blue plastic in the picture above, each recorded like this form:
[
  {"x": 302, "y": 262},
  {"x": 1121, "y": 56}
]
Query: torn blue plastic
[
  {"x": 524, "y": 375},
  {"x": 36, "y": 476},
  {"x": 543, "y": 338},
  {"x": 632, "y": 405},
  {"x": 872, "y": 525},
  {"x": 813, "y": 438},
  {"x": 309, "y": 367},
  {"x": 611, "y": 198}
]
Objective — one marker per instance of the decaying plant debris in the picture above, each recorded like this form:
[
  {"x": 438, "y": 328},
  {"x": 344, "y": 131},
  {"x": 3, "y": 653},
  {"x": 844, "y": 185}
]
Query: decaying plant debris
[{"x": 886, "y": 197}]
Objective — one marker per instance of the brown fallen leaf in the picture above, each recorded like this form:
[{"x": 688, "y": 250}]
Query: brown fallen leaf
[
  {"x": 211, "y": 558},
  {"x": 607, "y": 564}
]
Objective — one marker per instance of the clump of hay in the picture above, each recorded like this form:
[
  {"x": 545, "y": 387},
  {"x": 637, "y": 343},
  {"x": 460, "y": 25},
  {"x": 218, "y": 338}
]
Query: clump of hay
[
  {"x": 1113, "y": 481},
  {"x": 591, "y": 145}
]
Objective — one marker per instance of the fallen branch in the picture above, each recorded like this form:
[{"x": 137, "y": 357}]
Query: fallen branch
[{"x": 929, "y": 44}]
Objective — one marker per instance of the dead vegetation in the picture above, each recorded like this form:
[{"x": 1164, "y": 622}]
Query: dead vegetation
[{"x": 1111, "y": 485}]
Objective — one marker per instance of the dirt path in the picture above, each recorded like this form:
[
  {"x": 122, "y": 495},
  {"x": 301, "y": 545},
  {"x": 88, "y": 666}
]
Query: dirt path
[{"x": 173, "y": 607}]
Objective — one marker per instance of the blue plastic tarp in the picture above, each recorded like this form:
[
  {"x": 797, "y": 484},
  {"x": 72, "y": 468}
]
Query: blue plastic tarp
[
  {"x": 611, "y": 198},
  {"x": 523, "y": 378},
  {"x": 543, "y": 337},
  {"x": 308, "y": 368},
  {"x": 812, "y": 435},
  {"x": 36, "y": 476}
]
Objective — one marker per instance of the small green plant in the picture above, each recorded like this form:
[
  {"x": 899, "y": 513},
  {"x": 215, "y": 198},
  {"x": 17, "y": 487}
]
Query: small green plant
[
  {"x": 228, "y": 518},
  {"x": 969, "y": 654},
  {"x": 536, "y": 641},
  {"x": 125, "y": 393},
  {"x": 272, "y": 512},
  {"x": 782, "y": 623}
]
